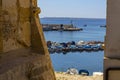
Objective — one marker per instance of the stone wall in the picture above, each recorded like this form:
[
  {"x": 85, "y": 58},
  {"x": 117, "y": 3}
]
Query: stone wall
[
  {"x": 23, "y": 64},
  {"x": 23, "y": 51},
  {"x": 112, "y": 46},
  {"x": 15, "y": 24}
]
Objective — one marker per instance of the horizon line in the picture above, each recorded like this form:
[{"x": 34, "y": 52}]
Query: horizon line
[{"x": 73, "y": 17}]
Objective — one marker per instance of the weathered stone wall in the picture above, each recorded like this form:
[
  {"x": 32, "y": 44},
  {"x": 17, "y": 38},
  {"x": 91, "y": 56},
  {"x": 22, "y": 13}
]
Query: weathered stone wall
[
  {"x": 15, "y": 24},
  {"x": 23, "y": 51},
  {"x": 23, "y": 64}
]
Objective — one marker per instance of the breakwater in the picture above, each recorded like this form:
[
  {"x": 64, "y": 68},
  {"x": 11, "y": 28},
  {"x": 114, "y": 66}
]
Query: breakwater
[
  {"x": 60, "y": 27},
  {"x": 75, "y": 46}
]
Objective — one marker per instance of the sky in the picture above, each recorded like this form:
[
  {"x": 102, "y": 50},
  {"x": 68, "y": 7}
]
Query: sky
[{"x": 73, "y": 8}]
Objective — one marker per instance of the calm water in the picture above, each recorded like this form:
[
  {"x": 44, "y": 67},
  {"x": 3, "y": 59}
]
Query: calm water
[{"x": 91, "y": 61}]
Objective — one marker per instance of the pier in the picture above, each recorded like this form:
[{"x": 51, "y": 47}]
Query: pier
[{"x": 60, "y": 27}]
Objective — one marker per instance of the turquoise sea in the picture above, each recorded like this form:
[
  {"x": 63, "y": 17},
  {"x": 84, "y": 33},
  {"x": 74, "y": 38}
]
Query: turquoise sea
[{"x": 91, "y": 61}]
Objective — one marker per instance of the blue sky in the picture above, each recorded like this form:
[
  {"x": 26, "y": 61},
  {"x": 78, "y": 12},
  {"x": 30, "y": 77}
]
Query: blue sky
[{"x": 73, "y": 8}]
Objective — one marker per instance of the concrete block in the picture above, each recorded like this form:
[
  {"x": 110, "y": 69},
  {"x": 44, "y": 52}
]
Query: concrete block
[
  {"x": 113, "y": 29},
  {"x": 111, "y": 69}
]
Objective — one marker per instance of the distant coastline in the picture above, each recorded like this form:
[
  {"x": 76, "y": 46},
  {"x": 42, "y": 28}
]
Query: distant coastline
[{"x": 69, "y": 18}]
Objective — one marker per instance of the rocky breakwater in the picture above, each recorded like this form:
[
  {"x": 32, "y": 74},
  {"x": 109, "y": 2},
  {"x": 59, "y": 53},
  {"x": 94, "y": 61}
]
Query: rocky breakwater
[{"x": 60, "y": 27}]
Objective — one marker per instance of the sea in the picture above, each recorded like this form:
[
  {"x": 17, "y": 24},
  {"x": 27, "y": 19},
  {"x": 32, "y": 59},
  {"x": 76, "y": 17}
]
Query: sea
[{"x": 90, "y": 61}]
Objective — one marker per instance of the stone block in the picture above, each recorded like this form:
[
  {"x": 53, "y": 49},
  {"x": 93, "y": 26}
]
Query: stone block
[
  {"x": 111, "y": 69},
  {"x": 113, "y": 29}
]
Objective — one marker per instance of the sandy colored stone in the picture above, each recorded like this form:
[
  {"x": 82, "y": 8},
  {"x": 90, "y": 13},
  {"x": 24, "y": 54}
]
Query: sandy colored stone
[{"x": 23, "y": 50}]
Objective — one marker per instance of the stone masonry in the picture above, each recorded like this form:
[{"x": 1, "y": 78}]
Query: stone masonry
[
  {"x": 112, "y": 41},
  {"x": 23, "y": 51}
]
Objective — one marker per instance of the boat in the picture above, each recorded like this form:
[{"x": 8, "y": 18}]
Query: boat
[
  {"x": 87, "y": 47},
  {"x": 103, "y": 26},
  {"x": 72, "y": 71},
  {"x": 85, "y": 25},
  {"x": 84, "y": 72}
]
